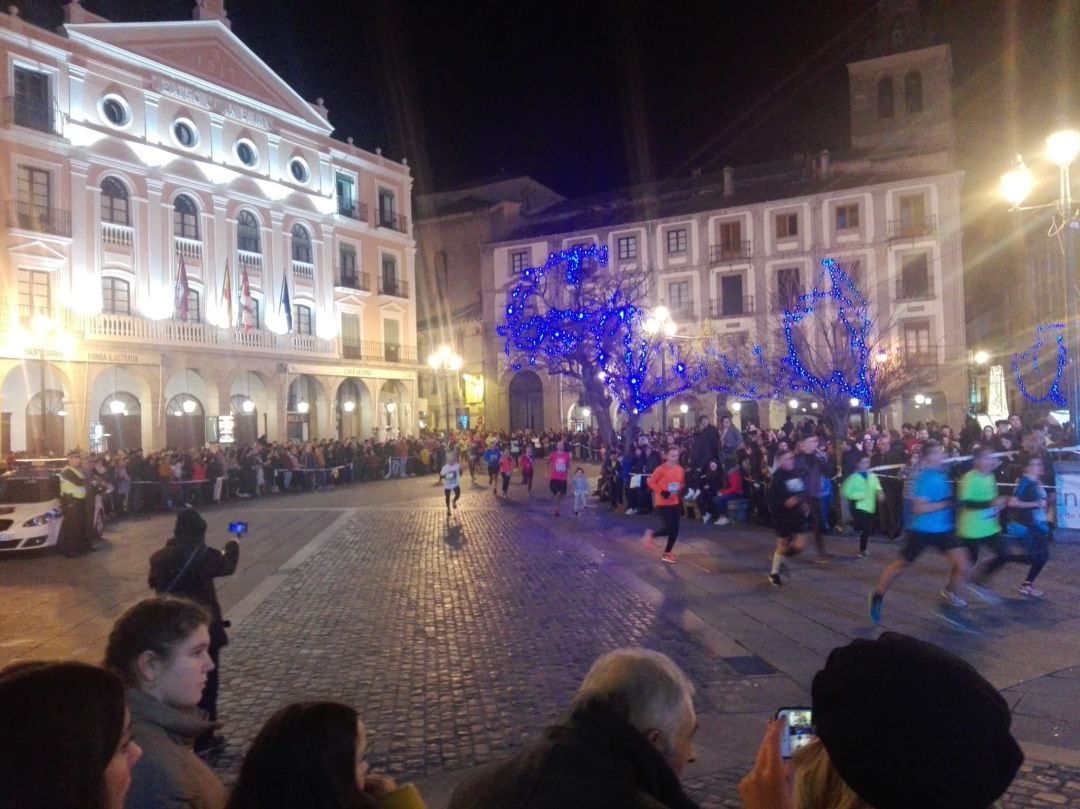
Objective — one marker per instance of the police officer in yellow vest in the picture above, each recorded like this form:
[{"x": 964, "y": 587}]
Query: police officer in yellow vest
[{"x": 74, "y": 540}]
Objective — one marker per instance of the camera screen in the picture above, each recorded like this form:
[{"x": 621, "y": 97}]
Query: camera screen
[
  {"x": 800, "y": 729},
  {"x": 238, "y": 528}
]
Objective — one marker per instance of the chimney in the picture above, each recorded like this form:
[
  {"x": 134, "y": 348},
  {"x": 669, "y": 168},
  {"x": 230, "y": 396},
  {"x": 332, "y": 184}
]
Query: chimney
[
  {"x": 211, "y": 10},
  {"x": 729, "y": 181},
  {"x": 823, "y": 163}
]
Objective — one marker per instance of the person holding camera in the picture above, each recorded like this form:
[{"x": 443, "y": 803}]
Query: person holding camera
[{"x": 187, "y": 567}]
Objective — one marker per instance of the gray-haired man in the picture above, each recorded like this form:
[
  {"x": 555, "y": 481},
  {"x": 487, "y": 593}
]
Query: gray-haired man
[{"x": 625, "y": 743}]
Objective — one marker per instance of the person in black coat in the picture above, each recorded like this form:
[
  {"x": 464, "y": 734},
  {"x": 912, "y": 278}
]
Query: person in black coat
[
  {"x": 187, "y": 566},
  {"x": 624, "y": 745}
]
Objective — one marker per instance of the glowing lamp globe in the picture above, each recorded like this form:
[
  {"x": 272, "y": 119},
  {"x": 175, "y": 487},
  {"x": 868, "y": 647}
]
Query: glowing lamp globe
[
  {"x": 1062, "y": 147},
  {"x": 189, "y": 405}
]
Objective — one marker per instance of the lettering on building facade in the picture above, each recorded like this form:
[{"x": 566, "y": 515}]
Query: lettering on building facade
[{"x": 199, "y": 98}]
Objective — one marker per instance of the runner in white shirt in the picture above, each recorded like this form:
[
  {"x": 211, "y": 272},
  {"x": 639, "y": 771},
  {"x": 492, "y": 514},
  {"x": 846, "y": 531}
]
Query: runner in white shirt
[{"x": 451, "y": 478}]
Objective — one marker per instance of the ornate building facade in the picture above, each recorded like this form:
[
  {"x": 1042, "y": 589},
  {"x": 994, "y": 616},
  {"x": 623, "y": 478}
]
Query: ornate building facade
[{"x": 188, "y": 256}]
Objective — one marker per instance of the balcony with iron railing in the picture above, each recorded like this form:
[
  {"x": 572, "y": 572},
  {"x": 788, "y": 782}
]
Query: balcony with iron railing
[
  {"x": 394, "y": 287},
  {"x": 374, "y": 351},
  {"x": 39, "y": 219},
  {"x": 42, "y": 117},
  {"x": 922, "y": 358},
  {"x": 352, "y": 279},
  {"x": 922, "y": 290},
  {"x": 117, "y": 235},
  {"x": 394, "y": 221},
  {"x": 352, "y": 210},
  {"x": 912, "y": 227},
  {"x": 729, "y": 251},
  {"x": 731, "y": 306}
]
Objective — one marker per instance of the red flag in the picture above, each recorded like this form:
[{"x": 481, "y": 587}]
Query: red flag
[
  {"x": 182, "y": 289},
  {"x": 226, "y": 296},
  {"x": 247, "y": 308}
]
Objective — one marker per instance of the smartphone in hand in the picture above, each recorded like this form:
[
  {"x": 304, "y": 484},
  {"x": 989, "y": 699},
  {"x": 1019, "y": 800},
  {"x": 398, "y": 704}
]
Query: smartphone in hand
[
  {"x": 799, "y": 732},
  {"x": 237, "y": 528}
]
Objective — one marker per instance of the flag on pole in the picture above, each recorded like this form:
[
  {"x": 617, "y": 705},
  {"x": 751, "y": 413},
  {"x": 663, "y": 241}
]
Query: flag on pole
[
  {"x": 286, "y": 305},
  {"x": 247, "y": 308},
  {"x": 180, "y": 305},
  {"x": 226, "y": 297}
]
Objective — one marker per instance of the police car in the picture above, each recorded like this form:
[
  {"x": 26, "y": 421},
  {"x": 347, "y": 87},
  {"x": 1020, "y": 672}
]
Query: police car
[{"x": 29, "y": 509}]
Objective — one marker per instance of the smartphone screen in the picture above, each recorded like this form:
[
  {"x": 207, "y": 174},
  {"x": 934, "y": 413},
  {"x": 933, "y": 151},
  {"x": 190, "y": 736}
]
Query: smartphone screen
[
  {"x": 238, "y": 528},
  {"x": 800, "y": 729}
]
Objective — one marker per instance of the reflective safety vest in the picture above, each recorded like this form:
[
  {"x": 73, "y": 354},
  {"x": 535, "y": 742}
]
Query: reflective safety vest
[{"x": 72, "y": 483}]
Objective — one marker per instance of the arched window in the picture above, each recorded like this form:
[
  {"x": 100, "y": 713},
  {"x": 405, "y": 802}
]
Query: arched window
[
  {"x": 115, "y": 296},
  {"x": 301, "y": 244},
  {"x": 885, "y": 98},
  {"x": 185, "y": 218},
  {"x": 913, "y": 92},
  {"x": 302, "y": 320},
  {"x": 247, "y": 232},
  {"x": 115, "y": 205}
]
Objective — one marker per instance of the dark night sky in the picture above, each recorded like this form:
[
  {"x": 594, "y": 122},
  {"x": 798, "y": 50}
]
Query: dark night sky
[{"x": 592, "y": 94}]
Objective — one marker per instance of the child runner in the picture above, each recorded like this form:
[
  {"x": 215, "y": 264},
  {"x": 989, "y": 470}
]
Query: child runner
[
  {"x": 558, "y": 469},
  {"x": 863, "y": 490},
  {"x": 451, "y": 478},
  {"x": 475, "y": 450},
  {"x": 667, "y": 483},
  {"x": 506, "y": 469},
  {"x": 790, "y": 506},
  {"x": 1029, "y": 526},
  {"x": 491, "y": 458},
  {"x": 581, "y": 491},
  {"x": 527, "y": 467},
  {"x": 931, "y": 526}
]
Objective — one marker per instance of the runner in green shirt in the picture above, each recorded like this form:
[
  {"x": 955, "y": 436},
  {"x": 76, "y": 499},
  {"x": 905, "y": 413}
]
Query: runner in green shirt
[{"x": 980, "y": 504}]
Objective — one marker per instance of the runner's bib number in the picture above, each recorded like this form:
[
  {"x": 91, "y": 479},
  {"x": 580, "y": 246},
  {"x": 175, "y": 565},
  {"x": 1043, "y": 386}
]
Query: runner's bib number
[{"x": 560, "y": 465}]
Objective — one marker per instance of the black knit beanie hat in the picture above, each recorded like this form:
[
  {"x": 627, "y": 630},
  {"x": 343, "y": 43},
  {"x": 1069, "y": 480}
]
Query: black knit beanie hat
[{"x": 907, "y": 724}]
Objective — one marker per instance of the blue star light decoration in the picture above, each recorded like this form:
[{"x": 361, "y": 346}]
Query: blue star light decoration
[
  {"x": 604, "y": 329},
  {"x": 1053, "y": 392}
]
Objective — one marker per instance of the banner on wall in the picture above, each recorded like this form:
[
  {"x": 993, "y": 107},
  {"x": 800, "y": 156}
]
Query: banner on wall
[{"x": 1068, "y": 499}]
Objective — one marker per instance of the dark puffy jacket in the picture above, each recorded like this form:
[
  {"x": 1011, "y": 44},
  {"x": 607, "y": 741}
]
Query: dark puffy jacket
[{"x": 197, "y": 580}]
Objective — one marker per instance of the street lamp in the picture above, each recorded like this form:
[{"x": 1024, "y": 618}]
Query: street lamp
[
  {"x": 975, "y": 358},
  {"x": 1061, "y": 149},
  {"x": 660, "y": 322},
  {"x": 444, "y": 359}
]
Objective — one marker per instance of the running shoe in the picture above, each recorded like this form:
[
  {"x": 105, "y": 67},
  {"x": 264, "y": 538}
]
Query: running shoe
[
  {"x": 864, "y": 554},
  {"x": 722, "y": 520},
  {"x": 630, "y": 511},
  {"x": 455, "y": 505},
  {"x": 984, "y": 595},
  {"x": 1028, "y": 589},
  {"x": 705, "y": 520},
  {"x": 669, "y": 558},
  {"x": 874, "y": 602},
  {"x": 952, "y": 599},
  {"x": 650, "y": 538},
  {"x": 774, "y": 580}
]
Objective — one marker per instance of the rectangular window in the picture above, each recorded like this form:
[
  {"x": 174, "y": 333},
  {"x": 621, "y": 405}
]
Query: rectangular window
[
  {"x": 256, "y": 317},
  {"x": 347, "y": 260},
  {"x": 193, "y": 313},
  {"x": 917, "y": 343},
  {"x": 389, "y": 275},
  {"x": 459, "y": 339},
  {"x": 627, "y": 248},
  {"x": 519, "y": 261},
  {"x": 731, "y": 295},
  {"x": 346, "y": 195},
  {"x": 787, "y": 225},
  {"x": 302, "y": 320},
  {"x": 914, "y": 277},
  {"x": 676, "y": 241},
  {"x": 678, "y": 294},
  {"x": 350, "y": 336},
  {"x": 35, "y": 190},
  {"x": 33, "y": 100},
  {"x": 853, "y": 270},
  {"x": 730, "y": 235},
  {"x": 391, "y": 340},
  {"x": 34, "y": 293},
  {"x": 847, "y": 216},
  {"x": 912, "y": 213},
  {"x": 788, "y": 288},
  {"x": 115, "y": 296},
  {"x": 387, "y": 207}
]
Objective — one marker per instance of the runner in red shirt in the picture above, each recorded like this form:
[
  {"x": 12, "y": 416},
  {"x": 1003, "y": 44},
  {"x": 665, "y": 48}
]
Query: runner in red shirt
[
  {"x": 558, "y": 471},
  {"x": 506, "y": 469}
]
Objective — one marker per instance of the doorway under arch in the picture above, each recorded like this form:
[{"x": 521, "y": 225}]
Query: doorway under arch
[
  {"x": 526, "y": 402},
  {"x": 121, "y": 421},
  {"x": 185, "y": 423}
]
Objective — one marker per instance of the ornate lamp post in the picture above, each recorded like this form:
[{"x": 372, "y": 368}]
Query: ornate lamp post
[
  {"x": 660, "y": 322},
  {"x": 444, "y": 359},
  {"x": 1061, "y": 149}
]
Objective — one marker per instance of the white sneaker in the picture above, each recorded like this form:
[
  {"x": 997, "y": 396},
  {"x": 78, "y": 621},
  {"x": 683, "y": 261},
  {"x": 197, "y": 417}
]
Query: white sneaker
[
  {"x": 722, "y": 520},
  {"x": 630, "y": 511},
  {"x": 706, "y": 518},
  {"x": 953, "y": 599}
]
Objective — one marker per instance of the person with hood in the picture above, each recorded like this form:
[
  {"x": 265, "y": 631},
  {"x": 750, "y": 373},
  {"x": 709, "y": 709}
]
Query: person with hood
[{"x": 187, "y": 567}]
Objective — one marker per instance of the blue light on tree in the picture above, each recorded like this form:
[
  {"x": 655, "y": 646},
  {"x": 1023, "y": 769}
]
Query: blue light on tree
[{"x": 1019, "y": 360}]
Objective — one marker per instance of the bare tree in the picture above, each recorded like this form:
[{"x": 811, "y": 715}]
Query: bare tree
[{"x": 580, "y": 318}]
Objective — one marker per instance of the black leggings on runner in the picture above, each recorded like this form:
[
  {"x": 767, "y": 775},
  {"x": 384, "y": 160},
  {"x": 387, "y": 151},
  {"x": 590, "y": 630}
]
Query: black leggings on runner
[
  {"x": 864, "y": 521},
  {"x": 1038, "y": 545},
  {"x": 457, "y": 495},
  {"x": 670, "y": 516},
  {"x": 506, "y": 482}
]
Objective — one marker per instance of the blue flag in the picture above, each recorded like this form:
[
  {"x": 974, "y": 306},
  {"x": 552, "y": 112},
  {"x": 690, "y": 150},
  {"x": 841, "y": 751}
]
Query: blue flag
[{"x": 286, "y": 305}]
